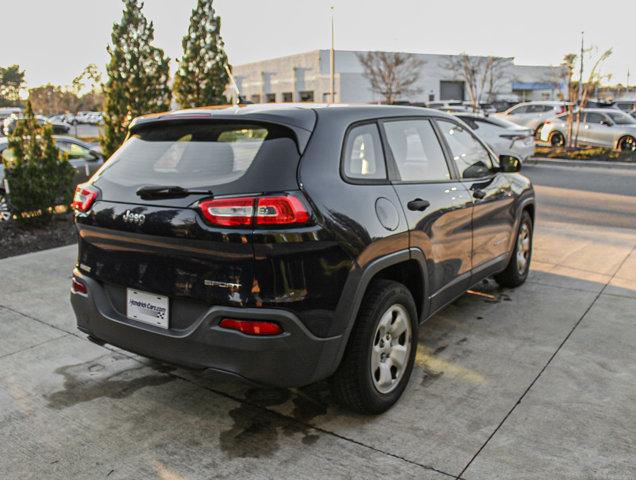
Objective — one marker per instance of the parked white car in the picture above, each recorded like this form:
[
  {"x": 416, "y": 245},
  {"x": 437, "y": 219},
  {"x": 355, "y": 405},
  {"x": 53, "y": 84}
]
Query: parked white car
[
  {"x": 601, "y": 127},
  {"x": 504, "y": 137},
  {"x": 533, "y": 114}
]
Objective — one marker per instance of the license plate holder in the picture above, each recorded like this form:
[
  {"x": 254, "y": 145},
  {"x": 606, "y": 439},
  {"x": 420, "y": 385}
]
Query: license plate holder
[{"x": 148, "y": 308}]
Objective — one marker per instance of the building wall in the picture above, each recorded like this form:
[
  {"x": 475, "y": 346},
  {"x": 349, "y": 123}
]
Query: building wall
[{"x": 309, "y": 72}]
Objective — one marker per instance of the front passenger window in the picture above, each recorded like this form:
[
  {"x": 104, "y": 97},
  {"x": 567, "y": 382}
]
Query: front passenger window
[{"x": 470, "y": 156}]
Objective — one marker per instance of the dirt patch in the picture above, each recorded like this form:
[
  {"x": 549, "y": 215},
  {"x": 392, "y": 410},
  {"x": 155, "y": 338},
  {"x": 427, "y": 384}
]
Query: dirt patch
[
  {"x": 17, "y": 240},
  {"x": 586, "y": 153}
]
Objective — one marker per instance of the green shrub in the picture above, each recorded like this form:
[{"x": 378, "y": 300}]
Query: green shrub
[{"x": 39, "y": 176}]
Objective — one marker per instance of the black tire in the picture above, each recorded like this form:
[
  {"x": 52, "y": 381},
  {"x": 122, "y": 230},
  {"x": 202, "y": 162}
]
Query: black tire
[
  {"x": 557, "y": 139},
  {"x": 353, "y": 385},
  {"x": 627, "y": 144},
  {"x": 513, "y": 275}
]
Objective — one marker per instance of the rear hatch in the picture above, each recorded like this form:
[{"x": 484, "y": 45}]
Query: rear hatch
[{"x": 162, "y": 241}]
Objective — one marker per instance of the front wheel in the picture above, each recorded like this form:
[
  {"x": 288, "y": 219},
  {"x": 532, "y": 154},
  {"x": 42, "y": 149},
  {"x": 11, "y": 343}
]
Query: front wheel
[
  {"x": 377, "y": 364},
  {"x": 519, "y": 266},
  {"x": 557, "y": 139},
  {"x": 5, "y": 211}
]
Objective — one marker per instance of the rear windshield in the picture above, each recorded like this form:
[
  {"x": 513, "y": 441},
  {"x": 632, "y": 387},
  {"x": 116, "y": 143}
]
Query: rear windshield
[
  {"x": 227, "y": 157},
  {"x": 188, "y": 155}
]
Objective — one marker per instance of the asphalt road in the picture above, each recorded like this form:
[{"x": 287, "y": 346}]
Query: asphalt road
[
  {"x": 530, "y": 383},
  {"x": 587, "y": 196}
]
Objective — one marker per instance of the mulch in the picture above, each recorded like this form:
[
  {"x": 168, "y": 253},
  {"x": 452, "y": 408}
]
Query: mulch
[{"x": 18, "y": 240}]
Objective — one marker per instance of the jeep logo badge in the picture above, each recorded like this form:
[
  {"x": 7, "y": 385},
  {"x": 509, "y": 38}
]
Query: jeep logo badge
[{"x": 135, "y": 218}]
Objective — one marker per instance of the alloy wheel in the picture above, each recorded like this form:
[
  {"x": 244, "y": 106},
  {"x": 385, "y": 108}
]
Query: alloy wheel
[
  {"x": 391, "y": 348},
  {"x": 5, "y": 212},
  {"x": 523, "y": 249},
  {"x": 557, "y": 139},
  {"x": 627, "y": 144}
]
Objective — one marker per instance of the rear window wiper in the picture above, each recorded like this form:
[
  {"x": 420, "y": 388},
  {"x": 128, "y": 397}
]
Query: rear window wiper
[{"x": 148, "y": 192}]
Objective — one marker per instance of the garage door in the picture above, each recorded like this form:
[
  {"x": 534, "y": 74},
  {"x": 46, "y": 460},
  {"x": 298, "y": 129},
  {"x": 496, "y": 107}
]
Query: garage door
[{"x": 451, "y": 90}]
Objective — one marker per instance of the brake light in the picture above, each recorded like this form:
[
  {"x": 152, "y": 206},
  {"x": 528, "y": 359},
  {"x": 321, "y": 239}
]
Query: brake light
[
  {"x": 85, "y": 195},
  {"x": 252, "y": 327},
  {"x": 247, "y": 211}
]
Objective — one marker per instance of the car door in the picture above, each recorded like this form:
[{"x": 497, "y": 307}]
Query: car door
[
  {"x": 81, "y": 158},
  {"x": 597, "y": 129},
  {"x": 438, "y": 207},
  {"x": 494, "y": 206}
]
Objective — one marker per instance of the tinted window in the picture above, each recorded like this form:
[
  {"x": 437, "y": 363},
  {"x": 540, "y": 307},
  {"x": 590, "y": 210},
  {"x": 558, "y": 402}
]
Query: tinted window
[
  {"x": 621, "y": 118},
  {"x": 416, "y": 151},
  {"x": 188, "y": 155},
  {"x": 593, "y": 117},
  {"x": 521, "y": 109},
  {"x": 471, "y": 158},
  {"x": 364, "y": 158}
]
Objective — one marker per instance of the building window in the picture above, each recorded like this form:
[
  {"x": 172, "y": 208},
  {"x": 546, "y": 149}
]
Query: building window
[
  {"x": 451, "y": 90},
  {"x": 255, "y": 98},
  {"x": 307, "y": 96},
  {"x": 270, "y": 97},
  {"x": 288, "y": 97}
]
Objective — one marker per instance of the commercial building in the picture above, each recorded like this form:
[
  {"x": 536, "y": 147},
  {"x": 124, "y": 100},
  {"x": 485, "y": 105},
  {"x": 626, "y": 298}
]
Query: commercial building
[{"x": 305, "y": 77}]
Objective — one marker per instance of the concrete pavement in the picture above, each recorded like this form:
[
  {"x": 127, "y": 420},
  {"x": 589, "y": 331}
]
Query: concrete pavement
[{"x": 536, "y": 382}]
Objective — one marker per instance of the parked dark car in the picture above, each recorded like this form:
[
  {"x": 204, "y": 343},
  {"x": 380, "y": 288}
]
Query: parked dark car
[
  {"x": 85, "y": 158},
  {"x": 287, "y": 245}
]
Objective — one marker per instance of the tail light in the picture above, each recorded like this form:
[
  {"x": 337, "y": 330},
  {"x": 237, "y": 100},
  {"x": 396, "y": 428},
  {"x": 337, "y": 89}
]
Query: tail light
[
  {"x": 85, "y": 195},
  {"x": 252, "y": 327},
  {"x": 247, "y": 211}
]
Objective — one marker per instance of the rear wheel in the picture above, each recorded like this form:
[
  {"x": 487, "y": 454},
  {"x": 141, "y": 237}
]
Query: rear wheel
[
  {"x": 519, "y": 266},
  {"x": 557, "y": 139},
  {"x": 627, "y": 144},
  {"x": 5, "y": 212},
  {"x": 379, "y": 358}
]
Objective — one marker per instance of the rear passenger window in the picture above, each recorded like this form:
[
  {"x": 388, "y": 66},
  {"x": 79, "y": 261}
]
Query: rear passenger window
[
  {"x": 416, "y": 151},
  {"x": 364, "y": 159},
  {"x": 471, "y": 158}
]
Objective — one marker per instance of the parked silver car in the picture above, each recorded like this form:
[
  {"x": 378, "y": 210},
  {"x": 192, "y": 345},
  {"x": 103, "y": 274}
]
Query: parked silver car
[
  {"x": 533, "y": 114},
  {"x": 602, "y": 127},
  {"x": 85, "y": 158},
  {"x": 504, "y": 137}
]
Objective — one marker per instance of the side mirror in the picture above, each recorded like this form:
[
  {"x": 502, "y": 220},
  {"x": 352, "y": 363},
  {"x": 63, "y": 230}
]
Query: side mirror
[{"x": 509, "y": 164}]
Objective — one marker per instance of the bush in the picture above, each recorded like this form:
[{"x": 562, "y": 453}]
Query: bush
[{"x": 39, "y": 176}]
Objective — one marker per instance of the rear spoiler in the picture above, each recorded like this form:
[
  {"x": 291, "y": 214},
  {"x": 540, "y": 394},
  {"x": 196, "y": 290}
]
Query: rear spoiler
[{"x": 302, "y": 133}]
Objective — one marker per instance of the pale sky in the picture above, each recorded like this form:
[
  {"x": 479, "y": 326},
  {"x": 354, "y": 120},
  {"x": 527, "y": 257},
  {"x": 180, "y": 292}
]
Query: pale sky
[{"x": 53, "y": 40}]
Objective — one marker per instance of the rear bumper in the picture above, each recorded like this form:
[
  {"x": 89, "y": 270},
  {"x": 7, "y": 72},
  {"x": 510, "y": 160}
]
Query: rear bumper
[{"x": 294, "y": 358}]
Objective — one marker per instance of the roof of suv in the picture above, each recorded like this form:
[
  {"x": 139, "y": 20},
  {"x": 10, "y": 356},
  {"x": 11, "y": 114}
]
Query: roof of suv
[{"x": 300, "y": 115}]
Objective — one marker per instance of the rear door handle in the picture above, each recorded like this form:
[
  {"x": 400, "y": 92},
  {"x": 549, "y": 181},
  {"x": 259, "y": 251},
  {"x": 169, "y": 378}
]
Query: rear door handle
[
  {"x": 479, "y": 193},
  {"x": 418, "y": 204}
]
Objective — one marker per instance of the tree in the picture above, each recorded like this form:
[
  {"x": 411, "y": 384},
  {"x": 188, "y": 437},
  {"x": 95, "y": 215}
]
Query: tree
[
  {"x": 481, "y": 75},
  {"x": 392, "y": 75},
  {"x": 138, "y": 75},
  {"x": 202, "y": 76},
  {"x": 11, "y": 82},
  {"x": 569, "y": 61},
  {"x": 88, "y": 88},
  {"x": 38, "y": 175},
  {"x": 52, "y": 99}
]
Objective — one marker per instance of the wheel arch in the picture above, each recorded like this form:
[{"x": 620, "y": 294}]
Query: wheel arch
[{"x": 405, "y": 266}]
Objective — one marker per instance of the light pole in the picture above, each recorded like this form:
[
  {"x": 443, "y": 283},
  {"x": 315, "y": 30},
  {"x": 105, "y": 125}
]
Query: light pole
[{"x": 332, "y": 63}]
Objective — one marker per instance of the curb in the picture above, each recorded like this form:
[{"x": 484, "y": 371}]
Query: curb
[{"x": 562, "y": 162}]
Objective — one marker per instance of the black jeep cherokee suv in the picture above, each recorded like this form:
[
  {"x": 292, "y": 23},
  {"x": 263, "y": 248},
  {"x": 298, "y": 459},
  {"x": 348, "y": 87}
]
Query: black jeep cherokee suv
[{"x": 289, "y": 244}]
